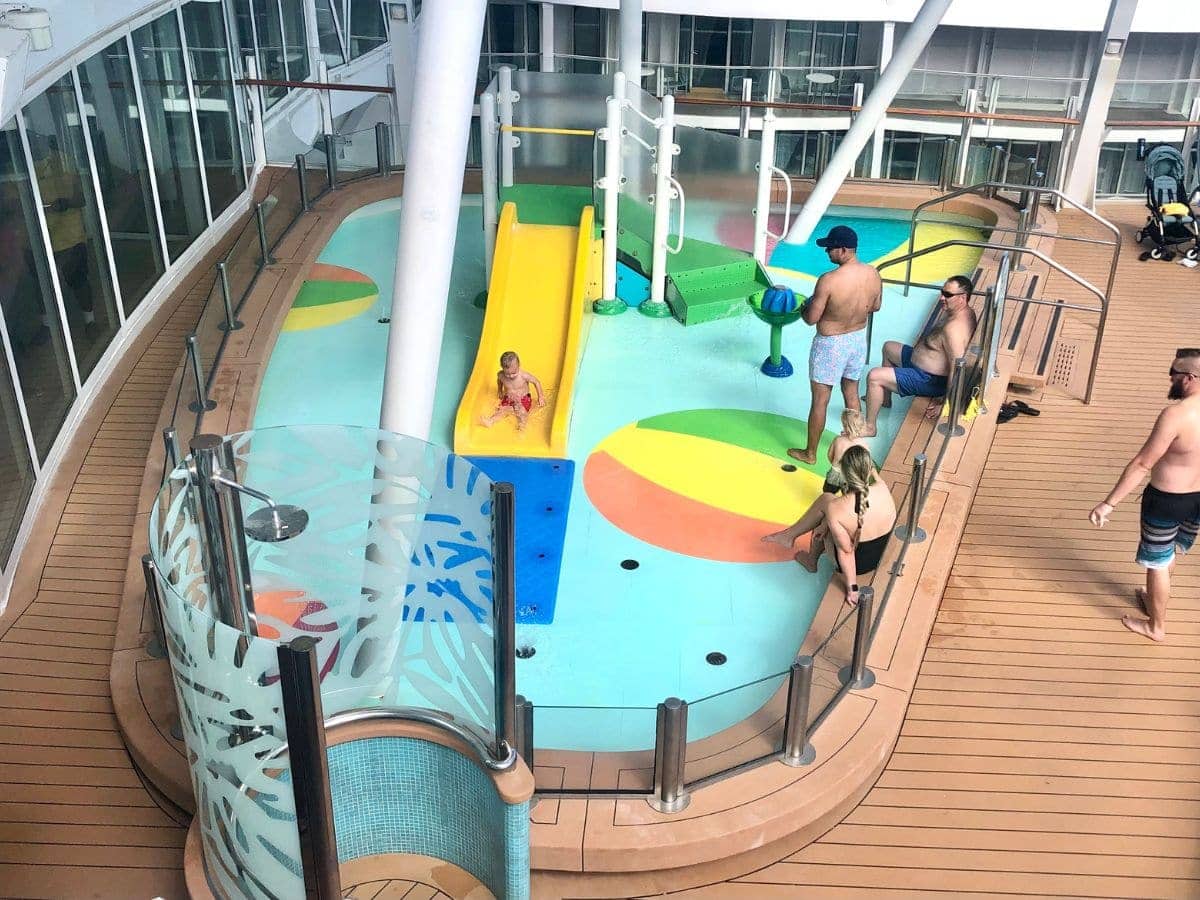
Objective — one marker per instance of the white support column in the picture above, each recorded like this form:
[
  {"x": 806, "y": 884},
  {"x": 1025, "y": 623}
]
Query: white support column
[
  {"x": 744, "y": 112},
  {"x": 505, "y": 99},
  {"x": 1081, "y": 177},
  {"x": 664, "y": 156},
  {"x": 629, "y": 43},
  {"x": 323, "y": 98},
  {"x": 1189, "y": 139},
  {"x": 490, "y": 177},
  {"x": 547, "y": 37},
  {"x": 964, "y": 138},
  {"x": 762, "y": 200},
  {"x": 873, "y": 111},
  {"x": 886, "y": 43},
  {"x": 443, "y": 98},
  {"x": 610, "y": 303}
]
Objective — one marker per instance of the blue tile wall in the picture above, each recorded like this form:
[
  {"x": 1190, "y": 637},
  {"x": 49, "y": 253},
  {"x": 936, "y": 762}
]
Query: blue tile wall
[{"x": 405, "y": 795}]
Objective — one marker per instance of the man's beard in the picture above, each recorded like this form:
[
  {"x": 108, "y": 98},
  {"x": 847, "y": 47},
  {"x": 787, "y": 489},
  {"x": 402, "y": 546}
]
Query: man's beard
[{"x": 1176, "y": 391}]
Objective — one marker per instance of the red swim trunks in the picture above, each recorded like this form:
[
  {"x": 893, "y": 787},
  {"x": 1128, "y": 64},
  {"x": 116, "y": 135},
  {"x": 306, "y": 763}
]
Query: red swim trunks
[{"x": 526, "y": 401}]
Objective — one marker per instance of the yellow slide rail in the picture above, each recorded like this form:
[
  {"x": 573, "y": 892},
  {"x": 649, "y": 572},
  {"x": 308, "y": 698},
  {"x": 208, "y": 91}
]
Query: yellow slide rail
[{"x": 573, "y": 349}]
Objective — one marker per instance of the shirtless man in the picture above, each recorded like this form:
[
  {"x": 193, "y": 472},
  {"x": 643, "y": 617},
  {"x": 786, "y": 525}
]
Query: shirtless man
[
  {"x": 839, "y": 306},
  {"x": 512, "y": 388},
  {"x": 1171, "y": 502},
  {"x": 923, "y": 371}
]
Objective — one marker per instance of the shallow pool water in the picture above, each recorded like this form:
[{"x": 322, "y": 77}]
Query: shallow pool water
[{"x": 622, "y": 636}]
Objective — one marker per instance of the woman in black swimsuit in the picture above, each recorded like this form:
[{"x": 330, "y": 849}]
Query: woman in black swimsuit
[{"x": 852, "y": 527}]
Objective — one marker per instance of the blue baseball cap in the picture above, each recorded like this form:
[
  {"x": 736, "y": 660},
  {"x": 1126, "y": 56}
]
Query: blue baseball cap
[{"x": 839, "y": 236}]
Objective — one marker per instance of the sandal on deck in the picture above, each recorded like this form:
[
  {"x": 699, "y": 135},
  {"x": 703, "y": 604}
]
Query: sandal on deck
[{"x": 1022, "y": 407}]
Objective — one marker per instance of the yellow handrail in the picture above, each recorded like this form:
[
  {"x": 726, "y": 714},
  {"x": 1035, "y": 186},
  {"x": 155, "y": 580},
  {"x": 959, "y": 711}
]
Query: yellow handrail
[{"x": 531, "y": 130}]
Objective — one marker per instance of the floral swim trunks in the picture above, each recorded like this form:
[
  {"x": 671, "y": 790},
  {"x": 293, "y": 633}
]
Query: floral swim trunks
[{"x": 837, "y": 357}]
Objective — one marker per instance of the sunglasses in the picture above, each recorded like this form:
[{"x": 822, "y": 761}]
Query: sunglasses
[
  {"x": 1175, "y": 373},
  {"x": 949, "y": 294}
]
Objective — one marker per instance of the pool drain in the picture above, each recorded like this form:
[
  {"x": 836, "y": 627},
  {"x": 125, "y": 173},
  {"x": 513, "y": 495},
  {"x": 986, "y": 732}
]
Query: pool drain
[
  {"x": 629, "y": 564},
  {"x": 525, "y": 652},
  {"x": 788, "y": 467},
  {"x": 716, "y": 658},
  {"x": 385, "y": 320}
]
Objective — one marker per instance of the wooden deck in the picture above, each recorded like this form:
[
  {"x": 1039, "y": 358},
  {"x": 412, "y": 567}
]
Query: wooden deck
[{"x": 1047, "y": 751}]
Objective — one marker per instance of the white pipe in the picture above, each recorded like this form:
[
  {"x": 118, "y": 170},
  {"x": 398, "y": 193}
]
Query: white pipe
[
  {"x": 443, "y": 98},
  {"x": 629, "y": 41},
  {"x": 488, "y": 163},
  {"x": 546, "y": 36},
  {"x": 886, "y": 45},
  {"x": 873, "y": 111},
  {"x": 612, "y": 183},
  {"x": 762, "y": 200},
  {"x": 504, "y": 101},
  {"x": 663, "y": 157}
]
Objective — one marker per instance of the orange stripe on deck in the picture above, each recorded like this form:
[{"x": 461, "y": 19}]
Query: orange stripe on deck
[
  {"x": 653, "y": 514},
  {"x": 329, "y": 272}
]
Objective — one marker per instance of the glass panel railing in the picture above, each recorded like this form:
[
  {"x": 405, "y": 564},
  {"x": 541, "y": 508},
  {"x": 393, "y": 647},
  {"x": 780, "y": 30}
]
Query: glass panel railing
[
  {"x": 736, "y": 727},
  {"x": 243, "y": 263},
  {"x": 282, "y": 205},
  {"x": 391, "y": 573},
  {"x": 615, "y": 749},
  {"x": 208, "y": 331},
  {"x": 231, "y": 710},
  {"x": 832, "y": 655}
]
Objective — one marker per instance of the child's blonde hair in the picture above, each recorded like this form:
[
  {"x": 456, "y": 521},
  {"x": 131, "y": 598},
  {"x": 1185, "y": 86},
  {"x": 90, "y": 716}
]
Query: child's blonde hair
[
  {"x": 509, "y": 356},
  {"x": 852, "y": 423}
]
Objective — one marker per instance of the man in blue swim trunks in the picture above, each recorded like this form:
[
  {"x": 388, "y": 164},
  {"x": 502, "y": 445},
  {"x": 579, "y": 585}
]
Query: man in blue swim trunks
[
  {"x": 839, "y": 306},
  {"x": 923, "y": 370}
]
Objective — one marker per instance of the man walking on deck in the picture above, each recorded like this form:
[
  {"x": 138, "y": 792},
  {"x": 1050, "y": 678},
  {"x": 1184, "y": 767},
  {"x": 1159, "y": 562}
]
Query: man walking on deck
[
  {"x": 1171, "y": 502},
  {"x": 839, "y": 306}
]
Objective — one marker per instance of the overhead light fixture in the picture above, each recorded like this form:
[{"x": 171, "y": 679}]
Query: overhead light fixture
[
  {"x": 23, "y": 17},
  {"x": 1113, "y": 47}
]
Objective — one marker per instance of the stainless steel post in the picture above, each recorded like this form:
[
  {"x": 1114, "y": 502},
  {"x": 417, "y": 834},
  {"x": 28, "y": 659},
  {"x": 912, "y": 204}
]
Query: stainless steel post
[
  {"x": 264, "y": 251},
  {"x": 797, "y": 751},
  {"x": 857, "y": 675},
  {"x": 822, "y": 160},
  {"x": 302, "y": 182},
  {"x": 171, "y": 446},
  {"x": 946, "y": 174},
  {"x": 911, "y": 531},
  {"x": 239, "y": 556},
  {"x": 958, "y": 383},
  {"x": 223, "y": 564},
  {"x": 231, "y": 323},
  {"x": 381, "y": 149},
  {"x": 1021, "y": 238},
  {"x": 504, "y": 626},
  {"x": 156, "y": 647},
  {"x": 330, "y": 162},
  {"x": 201, "y": 403},
  {"x": 670, "y": 746},
  {"x": 523, "y": 729},
  {"x": 309, "y": 767},
  {"x": 995, "y": 167}
]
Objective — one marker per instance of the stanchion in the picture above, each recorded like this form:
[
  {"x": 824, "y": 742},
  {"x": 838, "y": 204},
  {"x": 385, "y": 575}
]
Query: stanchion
[
  {"x": 156, "y": 647},
  {"x": 264, "y": 251},
  {"x": 670, "y": 745},
  {"x": 302, "y": 182},
  {"x": 231, "y": 322},
  {"x": 201, "y": 403},
  {"x": 857, "y": 675},
  {"x": 958, "y": 386},
  {"x": 523, "y": 728},
  {"x": 910, "y": 531},
  {"x": 330, "y": 162},
  {"x": 797, "y": 751},
  {"x": 382, "y": 143},
  {"x": 504, "y": 626}
]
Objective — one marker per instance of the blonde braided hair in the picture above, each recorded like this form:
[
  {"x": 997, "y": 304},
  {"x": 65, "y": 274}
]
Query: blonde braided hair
[{"x": 858, "y": 473}]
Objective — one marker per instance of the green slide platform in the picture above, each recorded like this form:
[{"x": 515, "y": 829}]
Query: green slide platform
[{"x": 705, "y": 281}]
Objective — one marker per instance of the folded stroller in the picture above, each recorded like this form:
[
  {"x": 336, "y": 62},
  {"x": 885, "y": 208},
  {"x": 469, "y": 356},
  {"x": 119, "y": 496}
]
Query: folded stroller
[{"x": 1171, "y": 221}]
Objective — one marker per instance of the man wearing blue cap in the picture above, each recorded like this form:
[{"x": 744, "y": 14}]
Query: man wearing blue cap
[{"x": 839, "y": 306}]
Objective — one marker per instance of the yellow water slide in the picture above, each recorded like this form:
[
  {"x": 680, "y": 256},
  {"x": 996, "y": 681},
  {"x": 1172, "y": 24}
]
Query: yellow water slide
[{"x": 543, "y": 278}]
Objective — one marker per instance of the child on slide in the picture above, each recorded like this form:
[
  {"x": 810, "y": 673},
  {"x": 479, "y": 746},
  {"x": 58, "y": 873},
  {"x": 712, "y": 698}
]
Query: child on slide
[{"x": 512, "y": 386}]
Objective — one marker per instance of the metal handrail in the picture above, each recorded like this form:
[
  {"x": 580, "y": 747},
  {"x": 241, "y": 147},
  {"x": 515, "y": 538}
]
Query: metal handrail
[
  {"x": 1036, "y": 254},
  {"x": 678, "y": 196},
  {"x": 787, "y": 204},
  {"x": 467, "y": 732}
]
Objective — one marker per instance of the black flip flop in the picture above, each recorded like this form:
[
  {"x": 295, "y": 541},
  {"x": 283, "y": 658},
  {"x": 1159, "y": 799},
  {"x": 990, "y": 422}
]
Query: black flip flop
[
  {"x": 1007, "y": 413},
  {"x": 1022, "y": 407}
]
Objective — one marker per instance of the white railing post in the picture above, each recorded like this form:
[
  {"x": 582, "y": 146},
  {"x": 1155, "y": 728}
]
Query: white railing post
[
  {"x": 488, "y": 164},
  {"x": 610, "y": 183},
  {"x": 504, "y": 101},
  {"x": 656, "y": 306},
  {"x": 744, "y": 112},
  {"x": 257, "y": 135},
  {"x": 762, "y": 201},
  {"x": 964, "y": 139}
]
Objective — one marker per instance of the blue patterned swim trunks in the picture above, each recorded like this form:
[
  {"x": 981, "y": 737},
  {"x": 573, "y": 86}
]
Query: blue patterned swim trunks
[{"x": 837, "y": 357}]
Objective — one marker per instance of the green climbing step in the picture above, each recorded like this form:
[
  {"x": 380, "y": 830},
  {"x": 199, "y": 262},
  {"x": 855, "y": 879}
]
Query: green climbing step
[{"x": 714, "y": 291}]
